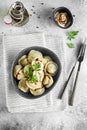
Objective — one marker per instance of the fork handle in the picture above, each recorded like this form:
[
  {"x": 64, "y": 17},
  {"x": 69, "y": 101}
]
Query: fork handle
[
  {"x": 72, "y": 92},
  {"x": 65, "y": 85}
]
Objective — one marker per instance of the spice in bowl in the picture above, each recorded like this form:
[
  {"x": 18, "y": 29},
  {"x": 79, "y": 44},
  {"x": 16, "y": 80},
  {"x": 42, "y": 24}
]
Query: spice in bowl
[{"x": 63, "y": 17}]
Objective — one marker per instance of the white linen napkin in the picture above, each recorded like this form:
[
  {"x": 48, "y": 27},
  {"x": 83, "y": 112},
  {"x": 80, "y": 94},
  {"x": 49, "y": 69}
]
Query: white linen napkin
[{"x": 12, "y": 45}]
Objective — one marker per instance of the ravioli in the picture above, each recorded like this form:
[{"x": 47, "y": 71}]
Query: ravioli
[
  {"x": 46, "y": 59},
  {"x": 51, "y": 67},
  {"x": 33, "y": 54},
  {"x": 33, "y": 85},
  {"x": 48, "y": 81},
  {"x": 17, "y": 69},
  {"x": 20, "y": 75},
  {"x": 23, "y": 60},
  {"x": 22, "y": 85},
  {"x": 37, "y": 92}
]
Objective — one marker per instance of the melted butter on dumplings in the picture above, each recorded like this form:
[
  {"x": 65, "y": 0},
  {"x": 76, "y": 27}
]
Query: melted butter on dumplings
[{"x": 33, "y": 54}]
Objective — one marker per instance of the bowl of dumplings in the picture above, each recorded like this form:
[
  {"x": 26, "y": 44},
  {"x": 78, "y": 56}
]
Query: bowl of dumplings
[{"x": 35, "y": 71}]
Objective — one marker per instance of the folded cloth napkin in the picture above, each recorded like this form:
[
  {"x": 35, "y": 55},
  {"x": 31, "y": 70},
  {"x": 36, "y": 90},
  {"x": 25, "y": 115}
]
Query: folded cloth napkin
[{"x": 12, "y": 45}]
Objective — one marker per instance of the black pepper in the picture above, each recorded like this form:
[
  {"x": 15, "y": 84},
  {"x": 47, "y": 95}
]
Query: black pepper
[
  {"x": 49, "y": 17},
  {"x": 34, "y": 12},
  {"x": 53, "y": 8},
  {"x": 38, "y": 17},
  {"x": 42, "y": 3},
  {"x": 37, "y": 27}
]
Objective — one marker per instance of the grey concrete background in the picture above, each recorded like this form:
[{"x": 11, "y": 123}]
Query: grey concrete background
[{"x": 73, "y": 118}]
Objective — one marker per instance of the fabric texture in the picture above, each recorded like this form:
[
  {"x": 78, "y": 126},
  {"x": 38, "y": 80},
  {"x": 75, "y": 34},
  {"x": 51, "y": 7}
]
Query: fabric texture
[{"x": 12, "y": 45}]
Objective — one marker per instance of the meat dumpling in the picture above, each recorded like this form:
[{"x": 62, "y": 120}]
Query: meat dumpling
[
  {"x": 46, "y": 59},
  {"x": 37, "y": 65},
  {"x": 22, "y": 85},
  {"x": 33, "y": 54},
  {"x": 34, "y": 85},
  {"x": 27, "y": 70},
  {"x": 23, "y": 60},
  {"x": 39, "y": 74},
  {"x": 51, "y": 68},
  {"x": 48, "y": 80},
  {"x": 20, "y": 75},
  {"x": 17, "y": 69},
  {"x": 37, "y": 92}
]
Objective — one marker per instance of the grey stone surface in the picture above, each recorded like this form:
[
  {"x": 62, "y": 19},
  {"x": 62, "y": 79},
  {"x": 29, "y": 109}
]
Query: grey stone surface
[{"x": 74, "y": 118}]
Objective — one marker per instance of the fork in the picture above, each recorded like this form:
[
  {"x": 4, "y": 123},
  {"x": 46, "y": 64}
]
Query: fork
[{"x": 80, "y": 59}]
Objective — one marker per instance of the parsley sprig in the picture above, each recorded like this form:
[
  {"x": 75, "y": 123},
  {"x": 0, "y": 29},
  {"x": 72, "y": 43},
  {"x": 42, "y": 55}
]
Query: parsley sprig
[
  {"x": 71, "y": 45},
  {"x": 37, "y": 66},
  {"x": 71, "y": 36},
  {"x": 33, "y": 78},
  {"x": 28, "y": 71}
]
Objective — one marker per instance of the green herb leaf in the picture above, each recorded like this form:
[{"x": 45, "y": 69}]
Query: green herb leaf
[
  {"x": 33, "y": 78},
  {"x": 37, "y": 67},
  {"x": 28, "y": 71},
  {"x": 72, "y": 34},
  {"x": 71, "y": 45}
]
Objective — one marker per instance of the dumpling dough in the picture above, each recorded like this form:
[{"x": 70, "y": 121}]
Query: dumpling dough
[
  {"x": 34, "y": 85},
  {"x": 22, "y": 85},
  {"x": 26, "y": 68},
  {"x": 39, "y": 74},
  {"x": 37, "y": 92},
  {"x": 17, "y": 69},
  {"x": 48, "y": 81},
  {"x": 34, "y": 55},
  {"x": 51, "y": 67},
  {"x": 46, "y": 59},
  {"x": 23, "y": 60},
  {"x": 37, "y": 62},
  {"x": 20, "y": 75}
]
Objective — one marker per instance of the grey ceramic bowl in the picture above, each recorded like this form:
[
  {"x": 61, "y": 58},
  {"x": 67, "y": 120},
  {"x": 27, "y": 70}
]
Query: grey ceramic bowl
[
  {"x": 63, "y": 9},
  {"x": 44, "y": 51}
]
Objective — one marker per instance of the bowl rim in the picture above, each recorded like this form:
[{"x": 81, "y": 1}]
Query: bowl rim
[
  {"x": 66, "y": 10},
  {"x": 13, "y": 78}
]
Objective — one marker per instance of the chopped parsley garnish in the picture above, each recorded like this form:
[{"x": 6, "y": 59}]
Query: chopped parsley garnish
[
  {"x": 37, "y": 67},
  {"x": 28, "y": 71},
  {"x": 33, "y": 78}
]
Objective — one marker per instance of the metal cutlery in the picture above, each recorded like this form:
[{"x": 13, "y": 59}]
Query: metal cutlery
[{"x": 80, "y": 58}]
